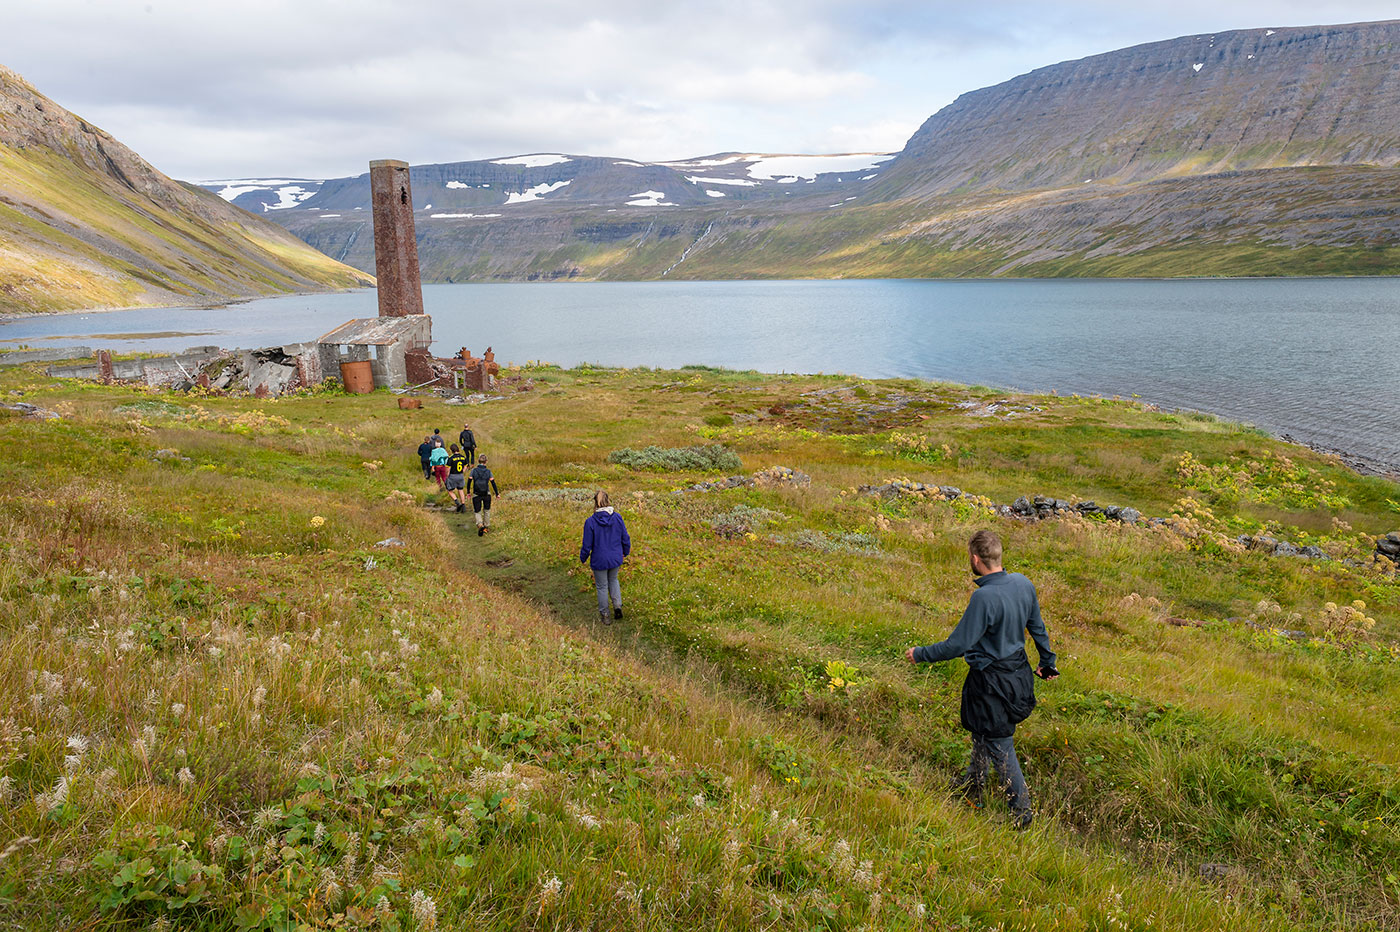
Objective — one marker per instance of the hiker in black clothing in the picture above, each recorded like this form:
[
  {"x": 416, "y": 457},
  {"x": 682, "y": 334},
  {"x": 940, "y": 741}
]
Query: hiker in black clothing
[
  {"x": 457, "y": 479},
  {"x": 425, "y": 449},
  {"x": 999, "y": 692},
  {"x": 468, "y": 442},
  {"x": 483, "y": 484}
]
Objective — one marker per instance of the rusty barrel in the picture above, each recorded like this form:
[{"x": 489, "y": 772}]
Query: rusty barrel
[{"x": 357, "y": 377}]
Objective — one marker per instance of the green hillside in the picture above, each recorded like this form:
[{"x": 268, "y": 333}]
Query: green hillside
[
  {"x": 229, "y": 709},
  {"x": 85, "y": 222}
]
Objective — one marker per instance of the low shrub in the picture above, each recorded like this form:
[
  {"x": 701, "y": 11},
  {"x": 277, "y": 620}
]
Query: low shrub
[{"x": 713, "y": 458}]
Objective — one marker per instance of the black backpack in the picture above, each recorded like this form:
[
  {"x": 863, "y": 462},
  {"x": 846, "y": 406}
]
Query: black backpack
[{"x": 481, "y": 480}]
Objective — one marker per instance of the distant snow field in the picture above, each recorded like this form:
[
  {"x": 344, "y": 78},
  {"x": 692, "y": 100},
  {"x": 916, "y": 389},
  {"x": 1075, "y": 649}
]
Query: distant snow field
[
  {"x": 700, "y": 179},
  {"x": 810, "y": 166},
  {"x": 715, "y": 193},
  {"x": 233, "y": 187},
  {"x": 289, "y": 196},
  {"x": 534, "y": 161},
  {"x": 533, "y": 194},
  {"x": 649, "y": 199},
  {"x": 461, "y": 216}
]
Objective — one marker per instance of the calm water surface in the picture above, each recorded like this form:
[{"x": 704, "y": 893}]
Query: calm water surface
[{"x": 1316, "y": 358}]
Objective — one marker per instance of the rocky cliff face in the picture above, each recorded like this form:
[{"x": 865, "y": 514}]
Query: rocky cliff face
[
  {"x": 1258, "y": 98},
  {"x": 87, "y": 222}
]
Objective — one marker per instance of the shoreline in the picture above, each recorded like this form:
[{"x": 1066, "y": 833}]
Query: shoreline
[{"x": 11, "y": 316}]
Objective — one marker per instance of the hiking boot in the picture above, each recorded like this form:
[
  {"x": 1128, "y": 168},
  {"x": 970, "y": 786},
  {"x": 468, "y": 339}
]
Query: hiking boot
[
  {"x": 967, "y": 788},
  {"x": 481, "y": 532},
  {"x": 1021, "y": 819},
  {"x": 603, "y": 617},
  {"x": 617, "y": 613}
]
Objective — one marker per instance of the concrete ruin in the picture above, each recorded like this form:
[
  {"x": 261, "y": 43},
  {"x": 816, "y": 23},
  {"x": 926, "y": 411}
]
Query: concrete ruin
[{"x": 384, "y": 342}]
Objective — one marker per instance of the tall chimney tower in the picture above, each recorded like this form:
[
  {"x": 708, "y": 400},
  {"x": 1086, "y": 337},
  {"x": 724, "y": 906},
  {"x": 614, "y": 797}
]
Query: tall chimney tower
[{"x": 395, "y": 249}]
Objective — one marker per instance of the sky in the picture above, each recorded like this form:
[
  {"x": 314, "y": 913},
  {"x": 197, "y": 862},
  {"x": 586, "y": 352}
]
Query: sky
[{"x": 211, "y": 89}]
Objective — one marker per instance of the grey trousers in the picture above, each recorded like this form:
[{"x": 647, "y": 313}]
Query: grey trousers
[
  {"x": 606, "y": 581},
  {"x": 1000, "y": 753}
]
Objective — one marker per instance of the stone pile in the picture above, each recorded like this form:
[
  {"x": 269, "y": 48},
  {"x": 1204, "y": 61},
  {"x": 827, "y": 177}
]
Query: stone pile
[
  {"x": 1036, "y": 509},
  {"x": 1280, "y": 548},
  {"x": 1389, "y": 546},
  {"x": 771, "y": 477}
]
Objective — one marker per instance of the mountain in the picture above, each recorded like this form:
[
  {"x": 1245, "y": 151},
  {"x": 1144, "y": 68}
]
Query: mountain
[
  {"x": 1272, "y": 151},
  {"x": 86, "y": 222}
]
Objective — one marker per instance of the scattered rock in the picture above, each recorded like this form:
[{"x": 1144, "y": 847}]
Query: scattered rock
[
  {"x": 1212, "y": 871},
  {"x": 390, "y": 542},
  {"x": 1389, "y": 545},
  {"x": 34, "y": 411},
  {"x": 162, "y": 455}
]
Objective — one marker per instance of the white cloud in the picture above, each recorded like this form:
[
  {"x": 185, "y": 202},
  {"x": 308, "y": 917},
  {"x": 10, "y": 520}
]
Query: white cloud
[{"x": 318, "y": 88}]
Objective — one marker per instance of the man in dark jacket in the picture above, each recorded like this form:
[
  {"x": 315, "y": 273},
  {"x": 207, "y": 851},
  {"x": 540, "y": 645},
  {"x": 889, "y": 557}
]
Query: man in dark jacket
[
  {"x": 425, "y": 450},
  {"x": 999, "y": 692},
  {"x": 606, "y": 544},
  {"x": 468, "y": 440},
  {"x": 482, "y": 485}
]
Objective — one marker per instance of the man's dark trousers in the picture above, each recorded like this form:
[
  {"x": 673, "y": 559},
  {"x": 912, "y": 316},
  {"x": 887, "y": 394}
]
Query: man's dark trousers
[{"x": 1000, "y": 753}]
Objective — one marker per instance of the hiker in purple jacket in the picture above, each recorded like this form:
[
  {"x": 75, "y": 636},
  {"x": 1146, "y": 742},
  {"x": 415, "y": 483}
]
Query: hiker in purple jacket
[{"x": 605, "y": 540}]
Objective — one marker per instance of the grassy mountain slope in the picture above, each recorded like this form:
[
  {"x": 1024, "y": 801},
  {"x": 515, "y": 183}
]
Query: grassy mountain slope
[
  {"x": 85, "y": 222},
  {"x": 232, "y": 710}
]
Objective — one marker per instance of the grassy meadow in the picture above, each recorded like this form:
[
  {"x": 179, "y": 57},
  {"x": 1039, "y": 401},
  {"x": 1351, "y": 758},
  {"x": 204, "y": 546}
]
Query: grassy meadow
[{"x": 226, "y": 708}]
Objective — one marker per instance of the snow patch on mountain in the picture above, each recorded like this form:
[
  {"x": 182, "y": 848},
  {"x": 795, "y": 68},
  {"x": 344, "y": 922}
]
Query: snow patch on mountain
[
  {"x": 533, "y": 194},
  {"x": 534, "y": 161},
  {"x": 785, "y": 167},
  {"x": 649, "y": 199}
]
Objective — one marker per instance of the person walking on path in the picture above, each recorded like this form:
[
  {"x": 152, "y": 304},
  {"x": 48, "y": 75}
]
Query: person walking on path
[
  {"x": 468, "y": 440},
  {"x": 425, "y": 450},
  {"x": 605, "y": 545},
  {"x": 438, "y": 459},
  {"x": 437, "y": 440},
  {"x": 457, "y": 478},
  {"x": 999, "y": 692},
  {"x": 483, "y": 484}
]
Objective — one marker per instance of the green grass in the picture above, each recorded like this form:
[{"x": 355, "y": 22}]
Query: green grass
[{"x": 283, "y": 724}]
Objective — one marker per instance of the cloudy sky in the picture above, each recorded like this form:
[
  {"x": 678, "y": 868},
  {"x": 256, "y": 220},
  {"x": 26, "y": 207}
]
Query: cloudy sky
[{"x": 210, "y": 89}]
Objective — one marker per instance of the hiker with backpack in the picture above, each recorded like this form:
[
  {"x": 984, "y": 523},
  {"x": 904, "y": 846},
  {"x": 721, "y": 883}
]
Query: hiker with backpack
[
  {"x": 437, "y": 458},
  {"x": 605, "y": 545},
  {"x": 999, "y": 692},
  {"x": 457, "y": 479},
  {"x": 482, "y": 485}
]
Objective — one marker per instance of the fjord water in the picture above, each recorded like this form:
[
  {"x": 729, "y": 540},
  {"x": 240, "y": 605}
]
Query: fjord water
[{"x": 1316, "y": 358}]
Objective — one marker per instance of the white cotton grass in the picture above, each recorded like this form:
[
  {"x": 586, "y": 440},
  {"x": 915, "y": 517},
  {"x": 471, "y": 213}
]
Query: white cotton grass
[
  {"x": 551, "y": 889},
  {"x": 424, "y": 910}
]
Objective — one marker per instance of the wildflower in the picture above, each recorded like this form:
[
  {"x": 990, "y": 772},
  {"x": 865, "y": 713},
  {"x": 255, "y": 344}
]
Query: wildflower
[
  {"x": 318, "y": 837},
  {"x": 317, "y": 521},
  {"x": 382, "y": 907},
  {"x": 215, "y": 652},
  {"x": 177, "y": 709},
  {"x": 424, "y": 909},
  {"x": 920, "y": 911},
  {"x": 434, "y": 698},
  {"x": 186, "y": 776},
  {"x": 259, "y": 695},
  {"x": 864, "y": 876},
  {"x": 698, "y": 800},
  {"x": 550, "y": 889},
  {"x": 7, "y": 789}
]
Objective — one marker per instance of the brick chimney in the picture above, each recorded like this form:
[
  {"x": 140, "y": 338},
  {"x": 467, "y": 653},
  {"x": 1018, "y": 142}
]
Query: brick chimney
[{"x": 395, "y": 249}]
